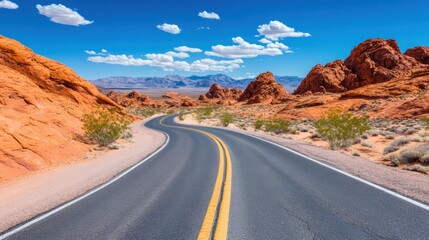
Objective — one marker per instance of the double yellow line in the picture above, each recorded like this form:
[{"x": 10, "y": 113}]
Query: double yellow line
[{"x": 215, "y": 223}]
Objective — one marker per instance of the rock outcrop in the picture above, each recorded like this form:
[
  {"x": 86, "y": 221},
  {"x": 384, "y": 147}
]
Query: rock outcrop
[
  {"x": 220, "y": 95},
  {"x": 421, "y": 54},
  {"x": 132, "y": 99},
  {"x": 265, "y": 90},
  {"x": 41, "y": 102},
  {"x": 328, "y": 78},
  {"x": 373, "y": 61},
  {"x": 173, "y": 99}
]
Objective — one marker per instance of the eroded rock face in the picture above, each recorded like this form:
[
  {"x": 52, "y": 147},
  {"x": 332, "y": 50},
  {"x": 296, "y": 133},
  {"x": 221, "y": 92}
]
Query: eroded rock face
[
  {"x": 372, "y": 61},
  {"x": 378, "y": 60},
  {"x": 41, "y": 102},
  {"x": 328, "y": 78},
  {"x": 219, "y": 93},
  {"x": 266, "y": 90},
  {"x": 421, "y": 54}
]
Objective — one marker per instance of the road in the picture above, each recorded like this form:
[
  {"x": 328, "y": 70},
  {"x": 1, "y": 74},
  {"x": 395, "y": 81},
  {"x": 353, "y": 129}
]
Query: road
[{"x": 213, "y": 183}]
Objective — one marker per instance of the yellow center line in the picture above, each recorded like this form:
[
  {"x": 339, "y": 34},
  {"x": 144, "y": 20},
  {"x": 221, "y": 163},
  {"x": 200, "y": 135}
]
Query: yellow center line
[{"x": 220, "y": 201}]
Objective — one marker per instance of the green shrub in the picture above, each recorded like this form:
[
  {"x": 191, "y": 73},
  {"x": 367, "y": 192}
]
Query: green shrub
[
  {"x": 181, "y": 116},
  {"x": 258, "y": 124},
  {"x": 203, "y": 113},
  {"x": 226, "y": 119},
  {"x": 105, "y": 126},
  {"x": 144, "y": 112},
  {"x": 426, "y": 122},
  {"x": 277, "y": 126},
  {"x": 340, "y": 128}
]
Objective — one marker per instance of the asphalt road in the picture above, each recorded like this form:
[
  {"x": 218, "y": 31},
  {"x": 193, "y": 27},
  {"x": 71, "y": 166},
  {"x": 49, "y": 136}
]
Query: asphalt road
[{"x": 274, "y": 194}]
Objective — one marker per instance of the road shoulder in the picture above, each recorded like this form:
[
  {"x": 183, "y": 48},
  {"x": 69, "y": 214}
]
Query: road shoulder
[
  {"x": 32, "y": 195},
  {"x": 411, "y": 184}
]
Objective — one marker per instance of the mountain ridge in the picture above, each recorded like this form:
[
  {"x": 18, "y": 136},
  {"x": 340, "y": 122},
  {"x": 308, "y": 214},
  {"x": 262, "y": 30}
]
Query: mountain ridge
[{"x": 176, "y": 81}]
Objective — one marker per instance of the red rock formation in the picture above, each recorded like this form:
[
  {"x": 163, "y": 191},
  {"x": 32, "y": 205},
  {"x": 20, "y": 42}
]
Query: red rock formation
[
  {"x": 372, "y": 61},
  {"x": 326, "y": 79},
  {"x": 421, "y": 54},
  {"x": 265, "y": 90},
  {"x": 223, "y": 94},
  {"x": 174, "y": 99},
  {"x": 378, "y": 60},
  {"x": 132, "y": 99},
  {"x": 41, "y": 102}
]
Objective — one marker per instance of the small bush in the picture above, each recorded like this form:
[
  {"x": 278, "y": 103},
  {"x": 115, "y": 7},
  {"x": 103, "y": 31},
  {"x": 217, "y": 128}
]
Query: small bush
[
  {"x": 258, "y": 124},
  {"x": 204, "y": 112},
  {"x": 242, "y": 126},
  {"x": 417, "y": 168},
  {"x": 390, "y": 136},
  {"x": 105, "y": 126},
  {"x": 356, "y": 154},
  {"x": 339, "y": 128},
  {"x": 226, "y": 119},
  {"x": 425, "y": 122},
  {"x": 415, "y": 154},
  {"x": 277, "y": 126},
  {"x": 181, "y": 116},
  {"x": 367, "y": 144},
  {"x": 144, "y": 112}
]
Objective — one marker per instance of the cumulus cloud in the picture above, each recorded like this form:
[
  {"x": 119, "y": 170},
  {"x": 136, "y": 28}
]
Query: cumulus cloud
[
  {"x": 265, "y": 41},
  {"x": 170, "y": 28},
  {"x": 203, "y": 28},
  {"x": 8, "y": 4},
  {"x": 243, "y": 49},
  {"x": 187, "y": 49},
  {"x": 209, "y": 15},
  {"x": 168, "y": 63},
  {"x": 103, "y": 50},
  {"x": 61, "y": 14},
  {"x": 177, "y": 54},
  {"x": 90, "y": 52},
  {"x": 279, "y": 46},
  {"x": 275, "y": 30}
]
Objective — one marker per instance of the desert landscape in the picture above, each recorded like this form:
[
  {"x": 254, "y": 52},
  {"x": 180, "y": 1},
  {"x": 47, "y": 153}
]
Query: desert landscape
[{"x": 204, "y": 143}]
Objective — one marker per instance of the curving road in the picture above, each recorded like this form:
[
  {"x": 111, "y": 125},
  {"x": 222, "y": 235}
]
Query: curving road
[{"x": 214, "y": 183}]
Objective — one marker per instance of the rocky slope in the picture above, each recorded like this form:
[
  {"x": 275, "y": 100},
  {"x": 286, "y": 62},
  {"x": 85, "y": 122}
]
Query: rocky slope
[
  {"x": 41, "y": 102},
  {"x": 132, "y": 99},
  {"x": 265, "y": 90},
  {"x": 371, "y": 62},
  {"x": 219, "y": 95}
]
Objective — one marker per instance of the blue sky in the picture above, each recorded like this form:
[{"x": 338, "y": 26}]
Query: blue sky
[{"x": 136, "y": 46}]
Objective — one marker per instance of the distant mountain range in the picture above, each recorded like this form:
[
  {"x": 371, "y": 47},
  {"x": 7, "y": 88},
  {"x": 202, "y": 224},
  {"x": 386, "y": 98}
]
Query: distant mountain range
[{"x": 175, "y": 81}]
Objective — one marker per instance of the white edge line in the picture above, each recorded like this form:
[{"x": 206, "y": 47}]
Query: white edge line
[
  {"x": 395, "y": 194},
  {"x": 61, "y": 207}
]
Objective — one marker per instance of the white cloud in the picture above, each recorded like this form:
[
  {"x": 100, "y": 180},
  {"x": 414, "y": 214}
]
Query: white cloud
[
  {"x": 243, "y": 49},
  {"x": 90, "y": 52},
  {"x": 119, "y": 60},
  {"x": 265, "y": 41},
  {"x": 209, "y": 15},
  {"x": 275, "y": 30},
  {"x": 203, "y": 28},
  {"x": 178, "y": 54},
  {"x": 103, "y": 50},
  {"x": 170, "y": 28},
  {"x": 167, "y": 62},
  {"x": 279, "y": 46},
  {"x": 187, "y": 49},
  {"x": 61, "y": 14},
  {"x": 8, "y": 4}
]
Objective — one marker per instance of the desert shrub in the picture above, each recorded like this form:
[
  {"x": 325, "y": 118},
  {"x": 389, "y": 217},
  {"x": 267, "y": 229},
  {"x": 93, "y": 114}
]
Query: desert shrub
[
  {"x": 410, "y": 131},
  {"x": 339, "y": 128},
  {"x": 144, "y": 112},
  {"x": 181, "y": 116},
  {"x": 424, "y": 134},
  {"x": 258, "y": 124},
  {"x": 395, "y": 145},
  {"x": 105, "y": 126},
  {"x": 415, "y": 154},
  {"x": 203, "y": 113},
  {"x": 367, "y": 144},
  {"x": 425, "y": 122},
  {"x": 417, "y": 168},
  {"x": 390, "y": 136},
  {"x": 277, "y": 126},
  {"x": 226, "y": 119},
  {"x": 356, "y": 154}
]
